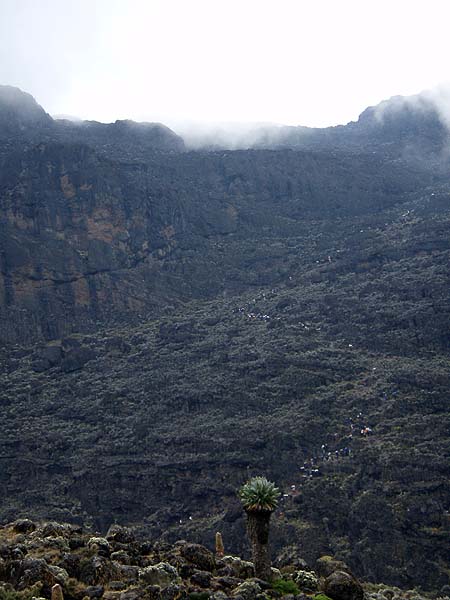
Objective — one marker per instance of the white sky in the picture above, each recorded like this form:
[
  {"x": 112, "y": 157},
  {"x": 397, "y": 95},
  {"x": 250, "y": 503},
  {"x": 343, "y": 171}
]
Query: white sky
[{"x": 308, "y": 62}]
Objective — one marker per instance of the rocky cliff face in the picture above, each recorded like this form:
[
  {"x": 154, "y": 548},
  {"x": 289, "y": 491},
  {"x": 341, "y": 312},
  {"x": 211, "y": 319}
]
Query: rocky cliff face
[
  {"x": 87, "y": 240},
  {"x": 172, "y": 322}
]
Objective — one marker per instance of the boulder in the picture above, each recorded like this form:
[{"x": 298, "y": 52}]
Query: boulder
[
  {"x": 37, "y": 569},
  {"x": 173, "y": 592},
  {"x": 133, "y": 594},
  {"x": 248, "y": 590},
  {"x": 98, "y": 570},
  {"x": 326, "y": 565},
  {"x": 228, "y": 582},
  {"x": 341, "y": 585},
  {"x": 47, "y": 357},
  {"x": 201, "y": 578},
  {"x": 161, "y": 574},
  {"x": 60, "y": 574},
  {"x": 241, "y": 568},
  {"x": 52, "y": 529},
  {"x": 117, "y": 586},
  {"x": 75, "y": 359},
  {"x": 200, "y": 556},
  {"x": 24, "y": 526},
  {"x": 128, "y": 573},
  {"x": 100, "y": 546},
  {"x": 121, "y": 556},
  {"x": 122, "y": 535},
  {"x": 71, "y": 563}
]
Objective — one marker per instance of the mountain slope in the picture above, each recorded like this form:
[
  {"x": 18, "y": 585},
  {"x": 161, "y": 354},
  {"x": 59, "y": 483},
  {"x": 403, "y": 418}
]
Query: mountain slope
[{"x": 172, "y": 322}]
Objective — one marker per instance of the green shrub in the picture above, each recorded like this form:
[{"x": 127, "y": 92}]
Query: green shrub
[
  {"x": 285, "y": 587},
  {"x": 321, "y": 597}
]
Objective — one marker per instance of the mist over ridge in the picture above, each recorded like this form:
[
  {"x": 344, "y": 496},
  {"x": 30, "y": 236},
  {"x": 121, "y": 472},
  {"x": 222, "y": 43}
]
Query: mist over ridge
[{"x": 429, "y": 104}]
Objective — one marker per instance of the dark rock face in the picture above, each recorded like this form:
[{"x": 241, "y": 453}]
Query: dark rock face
[
  {"x": 84, "y": 241},
  {"x": 173, "y": 322}
]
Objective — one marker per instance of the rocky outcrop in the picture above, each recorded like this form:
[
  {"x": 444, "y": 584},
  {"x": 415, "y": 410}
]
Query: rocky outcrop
[{"x": 154, "y": 572}]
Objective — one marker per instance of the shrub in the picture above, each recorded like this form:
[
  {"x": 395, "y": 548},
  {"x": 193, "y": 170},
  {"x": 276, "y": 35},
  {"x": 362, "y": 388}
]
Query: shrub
[
  {"x": 285, "y": 587},
  {"x": 306, "y": 580},
  {"x": 321, "y": 597},
  {"x": 7, "y": 592}
]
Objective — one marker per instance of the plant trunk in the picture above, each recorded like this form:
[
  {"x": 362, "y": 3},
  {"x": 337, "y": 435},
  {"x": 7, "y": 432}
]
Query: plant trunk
[{"x": 258, "y": 533}]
